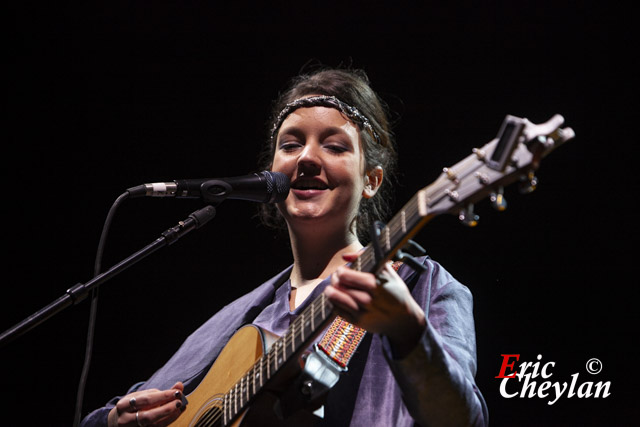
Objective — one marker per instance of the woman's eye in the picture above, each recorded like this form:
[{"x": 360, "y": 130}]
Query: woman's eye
[
  {"x": 289, "y": 146},
  {"x": 336, "y": 148}
]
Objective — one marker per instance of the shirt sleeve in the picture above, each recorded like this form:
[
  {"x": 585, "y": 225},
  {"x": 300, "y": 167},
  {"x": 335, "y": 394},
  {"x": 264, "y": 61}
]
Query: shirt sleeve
[{"x": 437, "y": 378}]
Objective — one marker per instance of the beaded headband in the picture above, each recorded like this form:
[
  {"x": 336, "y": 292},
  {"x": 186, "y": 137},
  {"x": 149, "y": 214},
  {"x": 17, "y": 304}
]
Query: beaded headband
[{"x": 324, "y": 101}]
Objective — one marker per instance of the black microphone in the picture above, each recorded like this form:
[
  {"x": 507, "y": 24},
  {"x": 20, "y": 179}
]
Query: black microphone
[{"x": 262, "y": 187}]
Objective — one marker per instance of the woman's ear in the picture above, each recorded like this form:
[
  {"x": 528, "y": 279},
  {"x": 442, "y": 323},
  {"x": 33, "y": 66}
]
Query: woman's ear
[{"x": 373, "y": 180}]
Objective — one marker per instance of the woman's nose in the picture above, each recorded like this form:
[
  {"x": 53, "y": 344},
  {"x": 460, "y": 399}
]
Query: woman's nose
[{"x": 309, "y": 159}]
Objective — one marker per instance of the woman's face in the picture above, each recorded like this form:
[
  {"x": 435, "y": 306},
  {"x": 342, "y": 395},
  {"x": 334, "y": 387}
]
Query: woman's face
[{"x": 320, "y": 151}]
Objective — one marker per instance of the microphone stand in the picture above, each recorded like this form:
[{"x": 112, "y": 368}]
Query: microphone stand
[{"x": 79, "y": 292}]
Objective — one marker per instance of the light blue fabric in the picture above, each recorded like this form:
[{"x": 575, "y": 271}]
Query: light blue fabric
[{"x": 433, "y": 385}]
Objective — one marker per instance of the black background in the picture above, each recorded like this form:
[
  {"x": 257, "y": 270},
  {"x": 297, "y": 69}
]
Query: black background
[{"x": 104, "y": 96}]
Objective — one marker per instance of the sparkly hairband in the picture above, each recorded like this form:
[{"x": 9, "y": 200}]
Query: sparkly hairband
[{"x": 323, "y": 101}]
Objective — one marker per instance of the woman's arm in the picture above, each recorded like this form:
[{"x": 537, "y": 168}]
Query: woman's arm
[{"x": 430, "y": 344}]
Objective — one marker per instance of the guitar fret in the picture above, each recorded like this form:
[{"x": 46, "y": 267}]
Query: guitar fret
[
  {"x": 242, "y": 391},
  {"x": 241, "y": 394},
  {"x": 231, "y": 406},
  {"x": 268, "y": 368},
  {"x": 388, "y": 242},
  {"x": 284, "y": 348},
  {"x": 235, "y": 399},
  {"x": 248, "y": 390},
  {"x": 313, "y": 309},
  {"x": 224, "y": 409},
  {"x": 253, "y": 377},
  {"x": 422, "y": 203},
  {"x": 293, "y": 334}
]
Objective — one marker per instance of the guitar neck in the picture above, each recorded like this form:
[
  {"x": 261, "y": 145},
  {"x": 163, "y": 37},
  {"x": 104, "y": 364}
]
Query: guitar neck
[{"x": 298, "y": 337}]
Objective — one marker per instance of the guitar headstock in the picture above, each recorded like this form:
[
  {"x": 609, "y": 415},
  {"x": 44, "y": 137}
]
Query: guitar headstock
[{"x": 512, "y": 156}]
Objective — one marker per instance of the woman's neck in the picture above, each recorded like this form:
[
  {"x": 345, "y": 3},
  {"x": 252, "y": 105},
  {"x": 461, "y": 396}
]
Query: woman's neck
[{"x": 316, "y": 256}]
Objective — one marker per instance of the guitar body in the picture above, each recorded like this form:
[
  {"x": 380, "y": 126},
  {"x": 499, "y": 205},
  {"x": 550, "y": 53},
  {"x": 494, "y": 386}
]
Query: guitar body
[{"x": 243, "y": 349}]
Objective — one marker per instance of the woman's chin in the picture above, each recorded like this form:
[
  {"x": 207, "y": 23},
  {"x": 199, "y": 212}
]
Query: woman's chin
[{"x": 305, "y": 218}]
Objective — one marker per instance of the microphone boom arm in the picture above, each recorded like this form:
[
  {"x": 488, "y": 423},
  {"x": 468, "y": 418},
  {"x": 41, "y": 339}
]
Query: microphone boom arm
[{"x": 79, "y": 292}]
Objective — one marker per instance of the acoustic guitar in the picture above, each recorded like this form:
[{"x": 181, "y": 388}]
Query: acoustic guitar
[{"x": 254, "y": 368}]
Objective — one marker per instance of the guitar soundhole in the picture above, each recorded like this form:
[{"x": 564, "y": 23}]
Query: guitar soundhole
[{"x": 211, "y": 417}]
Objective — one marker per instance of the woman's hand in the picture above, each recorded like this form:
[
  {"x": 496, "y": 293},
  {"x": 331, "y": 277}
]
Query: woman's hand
[
  {"x": 148, "y": 408},
  {"x": 381, "y": 305}
]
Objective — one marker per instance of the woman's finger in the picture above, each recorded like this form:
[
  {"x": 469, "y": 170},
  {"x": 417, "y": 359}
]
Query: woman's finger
[
  {"x": 350, "y": 257},
  {"x": 160, "y": 415},
  {"x": 130, "y": 402},
  {"x": 341, "y": 299},
  {"x": 147, "y": 399},
  {"x": 347, "y": 277}
]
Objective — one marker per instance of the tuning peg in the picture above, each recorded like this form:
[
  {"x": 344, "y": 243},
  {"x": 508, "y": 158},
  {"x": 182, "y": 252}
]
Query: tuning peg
[
  {"x": 528, "y": 183},
  {"x": 468, "y": 217},
  {"x": 498, "y": 201}
]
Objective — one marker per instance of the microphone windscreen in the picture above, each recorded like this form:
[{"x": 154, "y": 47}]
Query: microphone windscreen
[{"x": 278, "y": 185}]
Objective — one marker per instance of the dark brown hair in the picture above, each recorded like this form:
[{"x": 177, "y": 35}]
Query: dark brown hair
[{"x": 353, "y": 88}]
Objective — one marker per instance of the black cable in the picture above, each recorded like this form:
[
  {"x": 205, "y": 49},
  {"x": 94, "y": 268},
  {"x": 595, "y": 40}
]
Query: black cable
[{"x": 94, "y": 307}]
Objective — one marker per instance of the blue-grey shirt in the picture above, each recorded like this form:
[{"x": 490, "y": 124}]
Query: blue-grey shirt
[{"x": 432, "y": 385}]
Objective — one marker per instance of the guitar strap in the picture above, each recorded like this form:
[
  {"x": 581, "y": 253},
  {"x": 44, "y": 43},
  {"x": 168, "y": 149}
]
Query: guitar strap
[{"x": 342, "y": 338}]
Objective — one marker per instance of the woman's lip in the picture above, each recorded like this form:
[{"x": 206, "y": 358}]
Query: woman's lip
[{"x": 308, "y": 193}]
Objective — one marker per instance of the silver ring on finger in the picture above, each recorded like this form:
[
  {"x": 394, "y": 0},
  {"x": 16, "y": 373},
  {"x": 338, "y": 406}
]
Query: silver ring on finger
[
  {"x": 138, "y": 419},
  {"x": 132, "y": 403}
]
